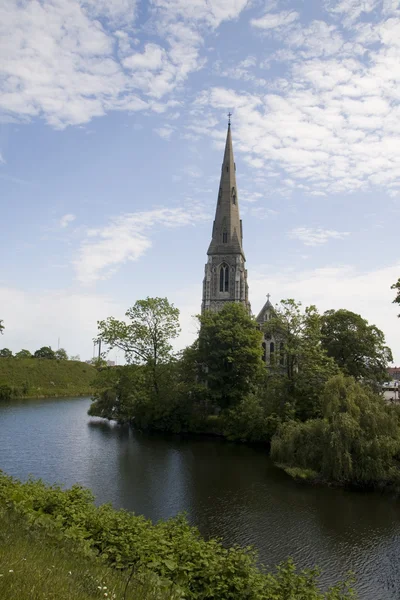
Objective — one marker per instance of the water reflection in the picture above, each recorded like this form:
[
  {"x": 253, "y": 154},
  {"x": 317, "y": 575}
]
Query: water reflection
[{"x": 227, "y": 490}]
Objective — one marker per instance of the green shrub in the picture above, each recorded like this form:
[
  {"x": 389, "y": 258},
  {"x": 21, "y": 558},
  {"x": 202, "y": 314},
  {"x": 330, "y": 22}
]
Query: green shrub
[{"x": 171, "y": 550}]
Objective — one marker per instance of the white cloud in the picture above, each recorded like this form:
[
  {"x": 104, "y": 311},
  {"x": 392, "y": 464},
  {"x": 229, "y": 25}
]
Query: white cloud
[
  {"x": 66, "y": 220},
  {"x": 127, "y": 238},
  {"x": 32, "y": 319},
  {"x": 165, "y": 132},
  {"x": 58, "y": 60},
  {"x": 317, "y": 236},
  {"x": 365, "y": 292},
  {"x": 275, "y": 20},
  {"x": 2, "y": 161}
]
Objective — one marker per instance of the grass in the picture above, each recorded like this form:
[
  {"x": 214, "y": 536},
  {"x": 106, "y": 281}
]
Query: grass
[
  {"x": 42, "y": 564},
  {"x": 35, "y": 377}
]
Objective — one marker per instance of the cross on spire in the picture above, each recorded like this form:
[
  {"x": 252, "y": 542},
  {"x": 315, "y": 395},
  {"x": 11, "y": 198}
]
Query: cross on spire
[
  {"x": 268, "y": 296},
  {"x": 229, "y": 118}
]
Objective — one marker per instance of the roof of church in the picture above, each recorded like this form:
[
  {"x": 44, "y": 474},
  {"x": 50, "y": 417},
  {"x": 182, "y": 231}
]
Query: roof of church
[
  {"x": 267, "y": 306},
  {"x": 227, "y": 217}
]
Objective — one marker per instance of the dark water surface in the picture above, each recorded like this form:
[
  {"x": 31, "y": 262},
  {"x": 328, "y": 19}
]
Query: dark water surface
[{"x": 227, "y": 490}]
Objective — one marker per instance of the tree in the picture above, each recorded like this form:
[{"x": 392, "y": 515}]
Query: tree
[
  {"x": 230, "y": 354},
  {"x": 357, "y": 348},
  {"x": 75, "y": 357},
  {"x": 396, "y": 286},
  {"x": 23, "y": 354},
  {"x": 5, "y": 353},
  {"x": 1, "y": 326},
  {"x": 45, "y": 352},
  {"x": 61, "y": 354},
  {"x": 306, "y": 363},
  {"x": 356, "y": 441},
  {"x": 154, "y": 322}
]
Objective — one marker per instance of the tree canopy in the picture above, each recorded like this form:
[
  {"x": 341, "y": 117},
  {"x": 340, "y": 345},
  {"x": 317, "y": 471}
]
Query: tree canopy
[
  {"x": 23, "y": 354},
  {"x": 45, "y": 352},
  {"x": 357, "y": 348},
  {"x": 1, "y": 326},
  {"x": 396, "y": 286},
  {"x": 230, "y": 353},
  {"x": 5, "y": 353},
  {"x": 61, "y": 354}
]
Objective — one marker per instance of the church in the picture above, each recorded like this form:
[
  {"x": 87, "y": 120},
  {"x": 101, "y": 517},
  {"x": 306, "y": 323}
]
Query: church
[{"x": 225, "y": 277}]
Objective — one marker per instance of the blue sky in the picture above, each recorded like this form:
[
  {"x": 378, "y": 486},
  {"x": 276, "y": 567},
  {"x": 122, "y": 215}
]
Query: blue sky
[{"x": 112, "y": 126}]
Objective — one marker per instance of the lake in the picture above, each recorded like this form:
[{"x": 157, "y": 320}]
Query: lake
[{"x": 228, "y": 490}]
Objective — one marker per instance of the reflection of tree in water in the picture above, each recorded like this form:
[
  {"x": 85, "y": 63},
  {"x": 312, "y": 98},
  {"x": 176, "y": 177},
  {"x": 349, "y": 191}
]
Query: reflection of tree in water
[{"x": 234, "y": 492}]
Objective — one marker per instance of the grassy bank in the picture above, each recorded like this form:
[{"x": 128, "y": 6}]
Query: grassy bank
[
  {"x": 35, "y": 377},
  {"x": 38, "y": 563},
  {"x": 170, "y": 551}
]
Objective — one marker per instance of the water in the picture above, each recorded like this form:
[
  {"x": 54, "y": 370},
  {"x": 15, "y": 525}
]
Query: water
[{"x": 227, "y": 490}]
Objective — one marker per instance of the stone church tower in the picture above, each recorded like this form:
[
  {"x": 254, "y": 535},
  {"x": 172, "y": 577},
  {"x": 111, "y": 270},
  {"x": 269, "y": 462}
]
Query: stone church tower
[{"x": 225, "y": 278}]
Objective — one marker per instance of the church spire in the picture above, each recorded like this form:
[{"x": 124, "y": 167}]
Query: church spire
[
  {"x": 225, "y": 276},
  {"x": 227, "y": 227}
]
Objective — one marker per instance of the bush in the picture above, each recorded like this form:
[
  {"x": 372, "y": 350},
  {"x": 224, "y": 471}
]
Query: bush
[
  {"x": 172, "y": 550},
  {"x": 356, "y": 441}
]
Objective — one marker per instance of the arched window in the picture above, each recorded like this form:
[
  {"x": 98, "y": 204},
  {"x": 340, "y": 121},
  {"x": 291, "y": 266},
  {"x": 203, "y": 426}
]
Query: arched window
[
  {"x": 233, "y": 196},
  {"x": 272, "y": 348},
  {"x": 224, "y": 278},
  {"x": 272, "y": 353},
  {"x": 225, "y": 237},
  {"x": 264, "y": 351}
]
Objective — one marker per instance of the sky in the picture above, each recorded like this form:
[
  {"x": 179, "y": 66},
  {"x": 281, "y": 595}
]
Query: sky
[{"x": 112, "y": 128}]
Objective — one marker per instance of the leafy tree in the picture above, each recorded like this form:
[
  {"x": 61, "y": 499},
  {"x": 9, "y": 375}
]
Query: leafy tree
[
  {"x": 5, "y": 353},
  {"x": 396, "y": 286},
  {"x": 307, "y": 365},
  {"x": 357, "y": 348},
  {"x": 1, "y": 326},
  {"x": 45, "y": 352},
  {"x": 230, "y": 354},
  {"x": 154, "y": 322},
  {"x": 23, "y": 354},
  {"x": 61, "y": 354},
  {"x": 356, "y": 441}
]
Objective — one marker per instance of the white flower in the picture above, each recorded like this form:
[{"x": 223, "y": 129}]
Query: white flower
[{"x": 11, "y": 571}]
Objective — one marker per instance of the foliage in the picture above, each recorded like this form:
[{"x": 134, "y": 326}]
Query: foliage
[
  {"x": 171, "y": 550},
  {"x": 5, "y": 353},
  {"x": 356, "y": 441},
  {"x": 229, "y": 351},
  {"x": 1, "y": 326},
  {"x": 395, "y": 286},
  {"x": 23, "y": 354},
  {"x": 7, "y": 392},
  {"x": 249, "y": 421},
  {"x": 154, "y": 322},
  {"x": 307, "y": 365},
  {"x": 38, "y": 562},
  {"x": 38, "y": 378},
  {"x": 45, "y": 352},
  {"x": 61, "y": 354},
  {"x": 75, "y": 357},
  {"x": 357, "y": 348}
]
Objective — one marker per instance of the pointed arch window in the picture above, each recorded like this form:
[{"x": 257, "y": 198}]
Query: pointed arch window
[
  {"x": 225, "y": 237},
  {"x": 264, "y": 351},
  {"x": 272, "y": 353},
  {"x": 224, "y": 278},
  {"x": 233, "y": 195}
]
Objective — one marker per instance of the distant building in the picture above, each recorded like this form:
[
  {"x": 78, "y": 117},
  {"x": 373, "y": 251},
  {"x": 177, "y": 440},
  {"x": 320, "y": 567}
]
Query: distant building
[{"x": 394, "y": 373}]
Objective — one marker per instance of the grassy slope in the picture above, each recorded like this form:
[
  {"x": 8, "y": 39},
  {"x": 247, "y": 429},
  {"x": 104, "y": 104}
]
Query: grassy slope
[
  {"x": 35, "y": 564},
  {"x": 41, "y": 377}
]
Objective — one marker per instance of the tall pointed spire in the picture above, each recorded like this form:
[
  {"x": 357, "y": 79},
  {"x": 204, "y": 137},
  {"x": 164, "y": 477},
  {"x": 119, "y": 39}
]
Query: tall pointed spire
[
  {"x": 225, "y": 277},
  {"x": 227, "y": 227}
]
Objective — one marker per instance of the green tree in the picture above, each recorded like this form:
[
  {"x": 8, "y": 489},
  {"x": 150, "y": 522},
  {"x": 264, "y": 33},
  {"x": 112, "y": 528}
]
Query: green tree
[
  {"x": 357, "y": 348},
  {"x": 146, "y": 339},
  {"x": 1, "y": 326},
  {"x": 5, "y": 353},
  {"x": 61, "y": 354},
  {"x": 75, "y": 357},
  {"x": 230, "y": 354},
  {"x": 45, "y": 352},
  {"x": 355, "y": 441},
  {"x": 396, "y": 286},
  {"x": 307, "y": 365},
  {"x": 23, "y": 354}
]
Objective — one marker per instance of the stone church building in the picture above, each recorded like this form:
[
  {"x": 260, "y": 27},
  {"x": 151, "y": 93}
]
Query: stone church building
[{"x": 225, "y": 277}]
